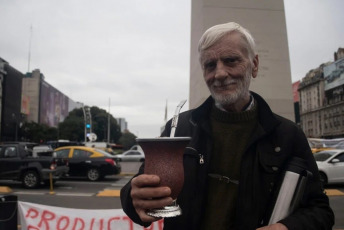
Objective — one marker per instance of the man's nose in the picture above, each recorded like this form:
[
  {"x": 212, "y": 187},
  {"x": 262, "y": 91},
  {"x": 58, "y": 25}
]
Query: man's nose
[{"x": 221, "y": 71}]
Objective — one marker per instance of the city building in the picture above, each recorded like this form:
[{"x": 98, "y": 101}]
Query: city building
[
  {"x": 266, "y": 21},
  {"x": 10, "y": 94},
  {"x": 43, "y": 103},
  {"x": 122, "y": 123},
  {"x": 321, "y": 94},
  {"x": 29, "y": 98},
  {"x": 296, "y": 100},
  {"x": 312, "y": 99}
]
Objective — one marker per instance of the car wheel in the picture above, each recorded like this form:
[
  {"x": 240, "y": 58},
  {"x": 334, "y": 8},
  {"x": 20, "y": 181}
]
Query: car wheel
[
  {"x": 30, "y": 179},
  {"x": 93, "y": 174},
  {"x": 323, "y": 178},
  {"x": 142, "y": 159}
]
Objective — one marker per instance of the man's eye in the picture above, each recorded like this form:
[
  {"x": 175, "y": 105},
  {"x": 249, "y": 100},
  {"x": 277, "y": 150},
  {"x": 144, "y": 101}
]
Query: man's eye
[
  {"x": 209, "y": 65},
  {"x": 230, "y": 60}
]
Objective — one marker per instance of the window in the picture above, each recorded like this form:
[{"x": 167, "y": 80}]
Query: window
[
  {"x": 133, "y": 153},
  {"x": 340, "y": 157},
  {"x": 62, "y": 153},
  {"x": 10, "y": 152},
  {"x": 79, "y": 153}
]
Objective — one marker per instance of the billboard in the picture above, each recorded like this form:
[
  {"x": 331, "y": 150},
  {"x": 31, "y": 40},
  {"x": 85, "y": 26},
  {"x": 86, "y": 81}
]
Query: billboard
[
  {"x": 53, "y": 105},
  {"x": 334, "y": 74}
]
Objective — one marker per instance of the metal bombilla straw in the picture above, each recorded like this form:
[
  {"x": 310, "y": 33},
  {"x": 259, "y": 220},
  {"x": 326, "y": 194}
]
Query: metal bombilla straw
[
  {"x": 173, "y": 209},
  {"x": 175, "y": 118}
]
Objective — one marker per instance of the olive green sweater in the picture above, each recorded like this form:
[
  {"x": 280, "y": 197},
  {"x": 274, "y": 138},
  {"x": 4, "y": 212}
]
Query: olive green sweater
[{"x": 231, "y": 133}]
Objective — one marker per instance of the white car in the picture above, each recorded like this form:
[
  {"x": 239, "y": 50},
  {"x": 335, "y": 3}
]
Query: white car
[
  {"x": 131, "y": 155},
  {"x": 331, "y": 166}
]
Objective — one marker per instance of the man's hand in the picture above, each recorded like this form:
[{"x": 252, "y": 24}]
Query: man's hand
[
  {"x": 146, "y": 194},
  {"x": 277, "y": 226}
]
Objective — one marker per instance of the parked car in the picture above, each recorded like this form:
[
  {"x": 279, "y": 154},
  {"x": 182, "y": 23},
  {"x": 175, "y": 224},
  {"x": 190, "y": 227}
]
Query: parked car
[
  {"x": 131, "y": 155},
  {"x": 331, "y": 166},
  {"x": 89, "y": 162},
  {"x": 17, "y": 162}
]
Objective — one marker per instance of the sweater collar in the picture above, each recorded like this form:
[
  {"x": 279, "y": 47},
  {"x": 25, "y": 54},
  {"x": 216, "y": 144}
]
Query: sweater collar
[{"x": 266, "y": 117}]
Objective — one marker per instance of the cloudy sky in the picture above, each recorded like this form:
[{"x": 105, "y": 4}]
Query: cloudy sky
[{"x": 136, "y": 53}]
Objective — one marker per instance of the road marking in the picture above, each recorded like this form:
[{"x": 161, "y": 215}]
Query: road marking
[
  {"x": 30, "y": 193},
  {"x": 118, "y": 185},
  {"x": 334, "y": 192},
  {"x": 73, "y": 194},
  {"x": 65, "y": 187},
  {"x": 5, "y": 189},
  {"x": 112, "y": 193}
]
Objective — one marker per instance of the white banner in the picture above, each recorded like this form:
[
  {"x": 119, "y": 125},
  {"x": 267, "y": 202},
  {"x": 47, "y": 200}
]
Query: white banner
[{"x": 43, "y": 217}]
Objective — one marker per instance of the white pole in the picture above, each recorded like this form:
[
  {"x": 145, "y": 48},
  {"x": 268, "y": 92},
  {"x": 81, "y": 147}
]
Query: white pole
[
  {"x": 29, "y": 57},
  {"x": 108, "y": 134}
]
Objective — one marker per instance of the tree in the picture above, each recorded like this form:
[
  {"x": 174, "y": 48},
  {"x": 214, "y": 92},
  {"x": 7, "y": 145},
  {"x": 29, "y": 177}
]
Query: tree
[
  {"x": 127, "y": 140},
  {"x": 34, "y": 132},
  {"x": 73, "y": 127}
]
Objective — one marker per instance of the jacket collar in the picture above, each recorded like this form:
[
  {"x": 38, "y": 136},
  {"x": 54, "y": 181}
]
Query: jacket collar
[{"x": 267, "y": 119}]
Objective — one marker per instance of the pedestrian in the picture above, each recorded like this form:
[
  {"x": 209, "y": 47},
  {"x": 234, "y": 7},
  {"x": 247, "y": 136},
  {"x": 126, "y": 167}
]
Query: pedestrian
[{"x": 235, "y": 135}]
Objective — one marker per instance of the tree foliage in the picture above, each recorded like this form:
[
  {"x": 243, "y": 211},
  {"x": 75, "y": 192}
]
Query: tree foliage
[
  {"x": 127, "y": 140},
  {"x": 34, "y": 132},
  {"x": 73, "y": 129}
]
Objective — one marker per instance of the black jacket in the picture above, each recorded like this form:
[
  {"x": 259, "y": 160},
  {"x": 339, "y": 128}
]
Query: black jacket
[{"x": 275, "y": 141}]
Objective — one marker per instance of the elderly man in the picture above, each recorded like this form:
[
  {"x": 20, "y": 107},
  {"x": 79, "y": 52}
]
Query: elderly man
[{"x": 235, "y": 135}]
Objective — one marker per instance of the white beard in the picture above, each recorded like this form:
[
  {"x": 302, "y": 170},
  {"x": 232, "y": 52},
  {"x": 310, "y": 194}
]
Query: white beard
[{"x": 242, "y": 90}]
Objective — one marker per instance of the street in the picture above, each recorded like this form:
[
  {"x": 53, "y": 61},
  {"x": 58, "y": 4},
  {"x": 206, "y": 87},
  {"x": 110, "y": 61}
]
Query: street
[{"x": 83, "y": 194}]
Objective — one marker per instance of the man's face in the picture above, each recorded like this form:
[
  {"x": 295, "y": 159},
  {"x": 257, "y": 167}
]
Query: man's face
[{"x": 227, "y": 70}]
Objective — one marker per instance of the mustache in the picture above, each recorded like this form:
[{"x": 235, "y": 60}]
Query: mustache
[{"x": 225, "y": 82}]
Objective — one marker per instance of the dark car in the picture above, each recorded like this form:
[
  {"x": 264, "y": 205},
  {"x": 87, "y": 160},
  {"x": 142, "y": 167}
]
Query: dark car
[
  {"x": 88, "y": 162},
  {"x": 17, "y": 162}
]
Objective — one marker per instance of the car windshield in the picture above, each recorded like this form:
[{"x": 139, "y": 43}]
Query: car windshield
[{"x": 323, "y": 155}]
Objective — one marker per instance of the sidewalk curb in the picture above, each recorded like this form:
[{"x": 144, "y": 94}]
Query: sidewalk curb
[{"x": 127, "y": 174}]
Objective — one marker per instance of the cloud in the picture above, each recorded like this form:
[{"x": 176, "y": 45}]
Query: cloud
[{"x": 137, "y": 52}]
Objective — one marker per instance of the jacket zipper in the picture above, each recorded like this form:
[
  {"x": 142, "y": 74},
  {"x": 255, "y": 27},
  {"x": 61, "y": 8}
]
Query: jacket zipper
[
  {"x": 201, "y": 157},
  {"x": 201, "y": 160}
]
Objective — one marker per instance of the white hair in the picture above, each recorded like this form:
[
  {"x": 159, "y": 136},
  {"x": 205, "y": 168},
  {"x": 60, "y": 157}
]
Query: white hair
[{"x": 215, "y": 33}]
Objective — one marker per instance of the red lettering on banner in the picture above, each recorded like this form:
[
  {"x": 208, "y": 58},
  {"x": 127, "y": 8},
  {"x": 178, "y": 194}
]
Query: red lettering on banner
[
  {"x": 60, "y": 220},
  {"x": 76, "y": 220},
  {"x": 101, "y": 224},
  {"x": 30, "y": 227},
  {"x": 46, "y": 216},
  {"x": 131, "y": 224},
  {"x": 112, "y": 219},
  {"x": 161, "y": 224},
  {"x": 151, "y": 227},
  {"x": 92, "y": 222},
  {"x": 31, "y": 210}
]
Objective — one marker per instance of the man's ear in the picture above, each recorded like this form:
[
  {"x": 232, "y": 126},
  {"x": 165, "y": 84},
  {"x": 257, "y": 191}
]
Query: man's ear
[{"x": 255, "y": 66}]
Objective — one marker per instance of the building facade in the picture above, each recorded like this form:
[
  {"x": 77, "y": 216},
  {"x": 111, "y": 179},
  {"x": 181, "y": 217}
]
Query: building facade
[
  {"x": 321, "y": 94},
  {"x": 122, "y": 123},
  {"x": 29, "y": 98},
  {"x": 11, "y": 118},
  {"x": 266, "y": 21},
  {"x": 43, "y": 103},
  {"x": 296, "y": 99}
]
